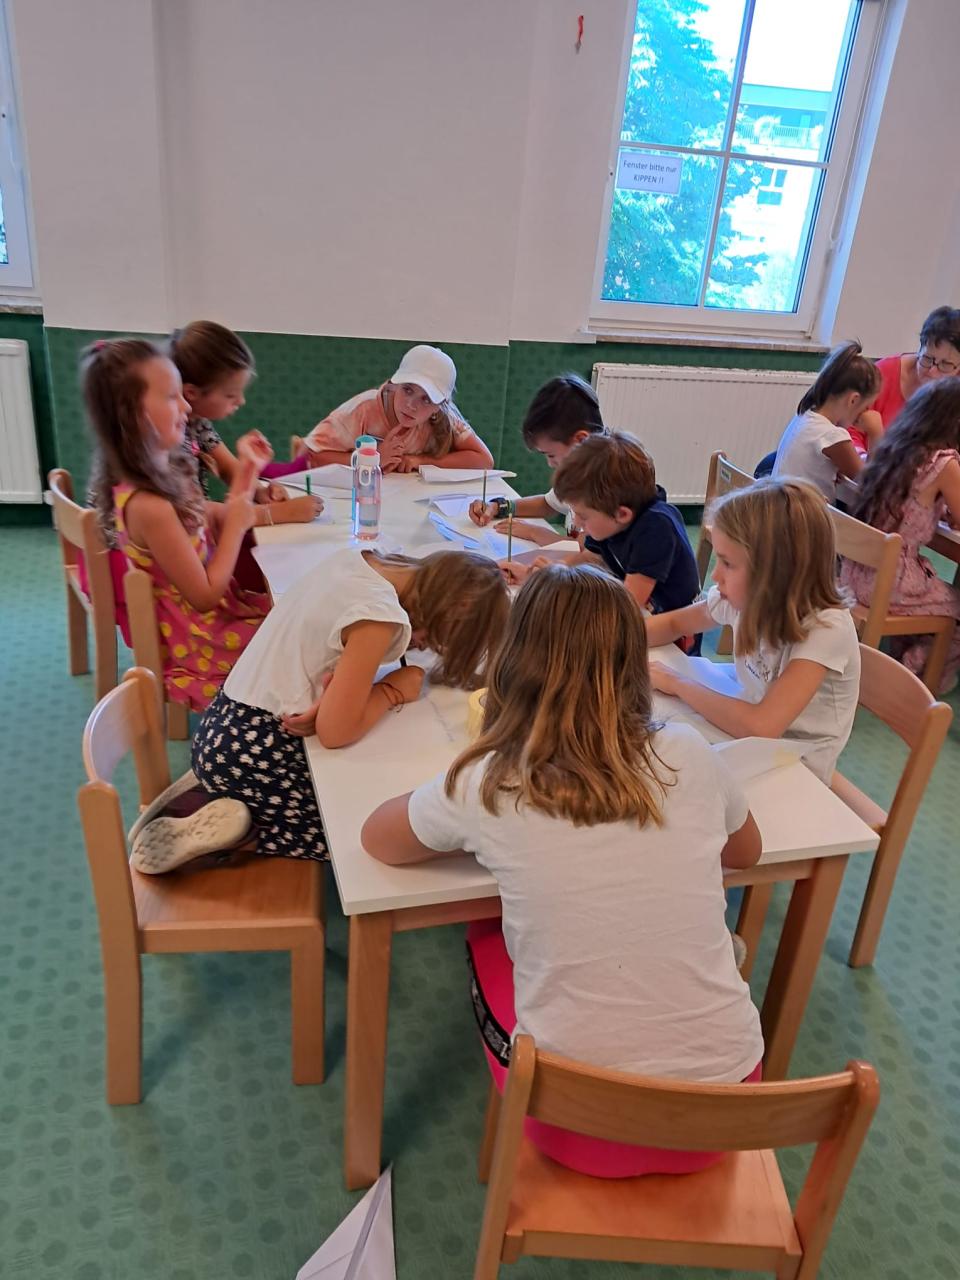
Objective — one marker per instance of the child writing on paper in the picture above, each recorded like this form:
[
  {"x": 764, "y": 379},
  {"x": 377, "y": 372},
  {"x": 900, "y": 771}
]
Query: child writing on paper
[
  {"x": 606, "y": 834},
  {"x": 563, "y": 413},
  {"x": 910, "y": 483},
  {"x": 314, "y": 669},
  {"x": 611, "y": 487},
  {"x": 816, "y": 445},
  {"x": 412, "y": 417},
  {"x": 148, "y": 497},
  {"x": 796, "y": 652},
  {"x": 216, "y": 367}
]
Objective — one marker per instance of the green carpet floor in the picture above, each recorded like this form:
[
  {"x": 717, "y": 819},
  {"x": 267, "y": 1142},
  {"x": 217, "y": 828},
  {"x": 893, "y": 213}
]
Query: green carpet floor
[{"x": 228, "y": 1170}]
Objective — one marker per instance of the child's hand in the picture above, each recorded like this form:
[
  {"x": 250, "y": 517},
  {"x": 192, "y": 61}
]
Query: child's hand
[
  {"x": 391, "y": 455},
  {"x": 516, "y": 573},
  {"x": 664, "y": 680},
  {"x": 244, "y": 482},
  {"x": 410, "y": 462},
  {"x": 255, "y": 446},
  {"x": 304, "y": 723},
  {"x": 276, "y": 492},
  {"x": 239, "y": 513},
  {"x": 481, "y": 512},
  {"x": 408, "y": 682},
  {"x": 301, "y": 510}
]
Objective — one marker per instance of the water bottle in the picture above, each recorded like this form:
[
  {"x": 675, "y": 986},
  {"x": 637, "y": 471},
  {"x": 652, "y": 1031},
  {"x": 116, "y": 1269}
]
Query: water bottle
[
  {"x": 359, "y": 442},
  {"x": 366, "y": 494}
]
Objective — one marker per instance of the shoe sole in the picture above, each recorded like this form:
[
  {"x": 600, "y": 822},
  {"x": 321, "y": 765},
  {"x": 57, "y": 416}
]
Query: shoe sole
[{"x": 167, "y": 843}]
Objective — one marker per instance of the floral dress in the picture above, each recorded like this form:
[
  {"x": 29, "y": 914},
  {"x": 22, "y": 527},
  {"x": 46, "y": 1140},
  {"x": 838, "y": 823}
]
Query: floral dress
[
  {"x": 198, "y": 649},
  {"x": 917, "y": 588}
]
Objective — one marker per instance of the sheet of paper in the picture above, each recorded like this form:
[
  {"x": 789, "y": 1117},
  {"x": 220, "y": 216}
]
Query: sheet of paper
[
  {"x": 361, "y": 1247},
  {"x": 452, "y": 534},
  {"x": 748, "y": 758},
  {"x": 335, "y": 476},
  {"x": 453, "y": 475}
]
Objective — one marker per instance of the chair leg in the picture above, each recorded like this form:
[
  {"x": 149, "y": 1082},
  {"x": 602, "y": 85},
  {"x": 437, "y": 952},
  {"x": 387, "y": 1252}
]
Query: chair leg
[
  {"x": 753, "y": 913},
  {"x": 79, "y": 656},
  {"x": 306, "y": 1004},
  {"x": 490, "y": 1121},
  {"x": 883, "y": 875},
  {"x": 123, "y": 1016},
  {"x": 178, "y": 722},
  {"x": 937, "y": 659}
]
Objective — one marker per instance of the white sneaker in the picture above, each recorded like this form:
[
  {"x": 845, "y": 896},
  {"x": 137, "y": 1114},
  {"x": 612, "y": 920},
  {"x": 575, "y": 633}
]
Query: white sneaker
[
  {"x": 167, "y": 843},
  {"x": 739, "y": 950}
]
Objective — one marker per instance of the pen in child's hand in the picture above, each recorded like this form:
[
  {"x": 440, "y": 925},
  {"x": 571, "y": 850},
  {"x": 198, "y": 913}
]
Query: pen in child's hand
[
  {"x": 403, "y": 659},
  {"x": 307, "y": 478},
  {"x": 510, "y": 537}
]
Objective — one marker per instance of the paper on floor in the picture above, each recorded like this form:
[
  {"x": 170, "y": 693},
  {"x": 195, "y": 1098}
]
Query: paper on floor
[{"x": 361, "y": 1248}]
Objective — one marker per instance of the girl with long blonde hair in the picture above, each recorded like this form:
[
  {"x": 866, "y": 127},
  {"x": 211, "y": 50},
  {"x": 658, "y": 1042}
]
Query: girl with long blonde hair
[
  {"x": 313, "y": 670},
  {"x": 796, "y": 653},
  {"x": 605, "y": 831}
]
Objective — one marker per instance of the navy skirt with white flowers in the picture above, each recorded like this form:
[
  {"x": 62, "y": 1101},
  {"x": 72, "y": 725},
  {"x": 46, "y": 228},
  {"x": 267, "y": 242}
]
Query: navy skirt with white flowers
[{"x": 245, "y": 753}]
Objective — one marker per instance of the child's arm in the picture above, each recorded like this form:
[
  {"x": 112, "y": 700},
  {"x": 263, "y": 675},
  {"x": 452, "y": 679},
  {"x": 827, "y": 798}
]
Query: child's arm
[
  {"x": 388, "y": 836},
  {"x": 771, "y": 717},
  {"x": 664, "y": 628},
  {"x": 329, "y": 457},
  {"x": 531, "y": 508},
  {"x": 743, "y": 847},
  {"x": 468, "y": 451},
  {"x": 352, "y": 704},
  {"x": 949, "y": 484},
  {"x": 154, "y": 524},
  {"x": 845, "y": 458},
  {"x": 871, "y": 424},
  {"x": 639, "y": 586}
]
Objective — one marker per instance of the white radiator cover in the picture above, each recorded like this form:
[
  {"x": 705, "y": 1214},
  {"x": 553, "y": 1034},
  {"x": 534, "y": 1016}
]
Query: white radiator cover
[
  {"x": 683, "y": 415},
  {"x": 19, "y": 461}
]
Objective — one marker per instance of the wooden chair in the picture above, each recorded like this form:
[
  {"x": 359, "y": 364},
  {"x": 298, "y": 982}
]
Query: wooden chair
[
  {"x": 145, "y": 638},
  {"x": 880, "y": 551},
  {"x": 722, "y": 477},
  {"x": 270, "y": 904},
  {"x": 78, "y": 530},
  {"x": 734, "y": 1215},
  {"x": 896, "y": 697}
]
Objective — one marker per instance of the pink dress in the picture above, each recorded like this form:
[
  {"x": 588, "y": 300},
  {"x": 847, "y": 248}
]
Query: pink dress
[
  {"x": 917, "y": 588},
  {"x": 198, "y": 649}
]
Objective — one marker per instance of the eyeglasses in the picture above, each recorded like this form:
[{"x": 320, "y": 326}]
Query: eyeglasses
[{"x": 945, "y": 366}]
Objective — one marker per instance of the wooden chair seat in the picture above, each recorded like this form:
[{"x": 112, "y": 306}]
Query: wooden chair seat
[
  {"x": 243, "y": 903},
  {"x": 738, "y": 1207},
  {"x": 866, "y": 809}
]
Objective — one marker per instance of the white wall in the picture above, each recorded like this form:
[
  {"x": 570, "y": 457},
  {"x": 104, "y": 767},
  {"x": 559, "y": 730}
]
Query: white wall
[{"x": 430, "y": 169}]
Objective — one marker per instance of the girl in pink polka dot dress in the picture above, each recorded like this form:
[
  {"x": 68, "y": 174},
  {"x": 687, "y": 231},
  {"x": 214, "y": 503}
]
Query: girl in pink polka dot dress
[{"x": 146, "y": 492}]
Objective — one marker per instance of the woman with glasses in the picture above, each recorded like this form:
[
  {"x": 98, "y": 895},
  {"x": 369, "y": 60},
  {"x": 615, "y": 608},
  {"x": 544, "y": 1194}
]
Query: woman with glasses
[{"x": 901, "y": 376}]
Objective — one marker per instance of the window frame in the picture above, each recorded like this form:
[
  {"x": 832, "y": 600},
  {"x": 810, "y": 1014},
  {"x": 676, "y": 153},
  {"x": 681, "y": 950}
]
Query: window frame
[
  {"x": 642, "y": 317},
  {"x": 17, "y": 274}
]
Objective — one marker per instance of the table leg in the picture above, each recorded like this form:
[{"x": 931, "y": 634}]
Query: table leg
[
  {"x": 368, "y": 994},
  {"x": 798, "y": 954}
]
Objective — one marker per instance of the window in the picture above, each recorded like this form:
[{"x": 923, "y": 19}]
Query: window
[
  {"x": 16, "y": 271},
  {"x": 729, "y": 165}
]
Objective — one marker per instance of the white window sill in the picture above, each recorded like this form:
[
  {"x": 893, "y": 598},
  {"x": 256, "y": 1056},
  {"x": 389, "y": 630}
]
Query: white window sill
[{"x": 732, "y": 342}]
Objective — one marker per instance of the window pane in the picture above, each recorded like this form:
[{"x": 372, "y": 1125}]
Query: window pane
[
  {"x": 793, "y": 75},
  {"x": 763, "y": 236},
  {"x": 657, "y": 238},
  {"x": 681, "y": 72}
]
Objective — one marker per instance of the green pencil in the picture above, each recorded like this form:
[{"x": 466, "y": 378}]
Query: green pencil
[
  {"x": 510, "y": 537},
  {"x": 307, "y": 478}
]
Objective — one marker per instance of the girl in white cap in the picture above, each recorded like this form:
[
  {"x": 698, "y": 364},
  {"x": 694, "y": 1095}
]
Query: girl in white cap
[{"x": 412, "y": 416}]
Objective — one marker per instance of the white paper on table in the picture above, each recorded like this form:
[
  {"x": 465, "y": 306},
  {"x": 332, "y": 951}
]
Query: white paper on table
[
  {"x": 748, "y": 758},
  {"x": 361, "y": 1248},
  {"x": 455, "y": 505},
  {"x": 454, "y": 475},
  {"x": 335, "y": 476},
  {"x": 285, "y": 563},
  {"x": 469, "y": 541}
]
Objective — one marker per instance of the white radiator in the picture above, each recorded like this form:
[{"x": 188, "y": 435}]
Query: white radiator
[
  {"x": 19, "y": 461},
  {"x": 683, "y": 415}
]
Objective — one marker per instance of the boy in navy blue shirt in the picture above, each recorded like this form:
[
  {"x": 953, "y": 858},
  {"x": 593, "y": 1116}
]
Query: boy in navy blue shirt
[{"x": 610, "y": 484}]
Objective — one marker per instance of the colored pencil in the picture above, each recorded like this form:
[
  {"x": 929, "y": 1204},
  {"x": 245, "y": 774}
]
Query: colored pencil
[
  {"x": 510, "y": 538},
  {"x": 484, "y": 499},
  {"x": 307, "y": 479}
]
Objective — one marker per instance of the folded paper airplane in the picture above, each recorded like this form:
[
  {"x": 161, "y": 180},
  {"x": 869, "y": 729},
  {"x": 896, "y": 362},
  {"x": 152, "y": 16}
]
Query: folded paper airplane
[{"x": 361, "y": 1248}]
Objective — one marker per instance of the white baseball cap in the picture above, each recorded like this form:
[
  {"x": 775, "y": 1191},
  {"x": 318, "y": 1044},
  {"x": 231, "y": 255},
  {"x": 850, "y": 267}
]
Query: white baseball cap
[{"x": 429, "y": 368}]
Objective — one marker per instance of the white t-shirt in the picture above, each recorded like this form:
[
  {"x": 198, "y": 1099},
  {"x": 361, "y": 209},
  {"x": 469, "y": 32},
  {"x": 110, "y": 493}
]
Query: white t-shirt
[
  {"x": 301, "y": 637},
  {"x": 561, "y": 508},
  {"x": 621, "y": 955},
  {"x": 825, "y": 722},
  {"x": 800, "y": 452}
]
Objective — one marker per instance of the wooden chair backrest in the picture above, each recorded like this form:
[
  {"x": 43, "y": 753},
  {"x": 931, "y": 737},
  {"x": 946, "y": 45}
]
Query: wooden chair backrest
[
  {"x": 144, "y": 632},
  {"x": 723, "y": 476},
  {"x": 78, "y": 529},
  {"x": 877, "y": 550},
  {"x": 127, "y": 720},
  {"x": 833, "y": 1111}
]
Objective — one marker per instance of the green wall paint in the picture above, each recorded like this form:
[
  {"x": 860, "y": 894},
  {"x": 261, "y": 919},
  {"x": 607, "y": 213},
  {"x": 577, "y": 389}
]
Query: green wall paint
[{"x": 300, "y": 378}]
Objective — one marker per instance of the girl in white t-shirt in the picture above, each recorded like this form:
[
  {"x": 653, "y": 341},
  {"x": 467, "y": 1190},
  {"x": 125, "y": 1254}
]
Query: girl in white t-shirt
[
  {"x": 312, "y": 668},
  {"x": 816, "y": 445},
  {"x": 605, "y": 832},
  {"x": 796, "y": 652}
]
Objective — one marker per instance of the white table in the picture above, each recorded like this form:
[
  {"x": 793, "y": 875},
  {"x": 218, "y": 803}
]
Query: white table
[{"x": 808, "y": 834}]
